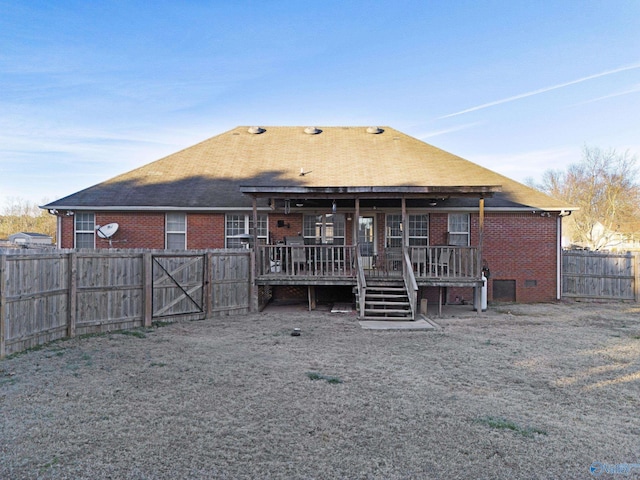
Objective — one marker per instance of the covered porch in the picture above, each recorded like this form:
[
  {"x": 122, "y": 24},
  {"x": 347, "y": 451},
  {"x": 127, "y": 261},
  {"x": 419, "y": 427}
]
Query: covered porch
[{"x": 386, "y": 272}]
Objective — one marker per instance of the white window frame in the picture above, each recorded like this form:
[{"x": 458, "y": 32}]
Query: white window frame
[
  {"x": 325, "y": 228},
  {"x": 416, "y": 240},
  {"x": 245, "y": 221},
  {"x": 171, "y": 230},
  {"x": 454, "y": 230},
  {"x": 87, "y": 230},
  {"x": 393, "y": 231}
]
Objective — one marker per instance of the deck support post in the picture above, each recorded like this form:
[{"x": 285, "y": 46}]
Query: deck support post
[{"x": 311, "y": 294}]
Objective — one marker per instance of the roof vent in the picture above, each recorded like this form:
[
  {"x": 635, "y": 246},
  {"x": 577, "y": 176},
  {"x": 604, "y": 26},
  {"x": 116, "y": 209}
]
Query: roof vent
[
  {"x": 312, "y": 130},
  {"x": 256, "y": 130},
  {"x": 374, "y": 130}
]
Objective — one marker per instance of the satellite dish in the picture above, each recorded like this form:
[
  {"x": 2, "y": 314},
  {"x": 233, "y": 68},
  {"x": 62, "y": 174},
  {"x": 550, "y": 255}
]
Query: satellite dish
[{"x": 107, "y": 231}]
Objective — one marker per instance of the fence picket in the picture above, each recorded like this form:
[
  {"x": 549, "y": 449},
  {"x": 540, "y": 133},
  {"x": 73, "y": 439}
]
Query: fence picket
[
  {"x": 46, "y": 296},
  {"x": 599, "y": 275}
]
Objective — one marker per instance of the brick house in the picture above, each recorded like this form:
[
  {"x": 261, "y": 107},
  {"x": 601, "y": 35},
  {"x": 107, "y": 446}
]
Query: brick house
[{"x": 369, "y": 210}]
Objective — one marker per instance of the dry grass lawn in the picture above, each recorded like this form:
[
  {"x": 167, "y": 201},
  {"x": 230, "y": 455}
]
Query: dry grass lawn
[{"x": 523, "y": 391}]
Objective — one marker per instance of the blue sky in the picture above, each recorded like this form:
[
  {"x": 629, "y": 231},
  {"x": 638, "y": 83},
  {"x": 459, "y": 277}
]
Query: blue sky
[{"x": 89, "y": 90}]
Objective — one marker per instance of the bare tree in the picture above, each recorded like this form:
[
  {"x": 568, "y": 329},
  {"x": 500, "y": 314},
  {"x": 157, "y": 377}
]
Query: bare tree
[
  {"x": 20, "y": 215},
  {"x": 603, "y": 185}
]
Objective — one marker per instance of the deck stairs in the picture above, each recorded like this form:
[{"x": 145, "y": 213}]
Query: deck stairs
[{"x": 385, "y": 300}]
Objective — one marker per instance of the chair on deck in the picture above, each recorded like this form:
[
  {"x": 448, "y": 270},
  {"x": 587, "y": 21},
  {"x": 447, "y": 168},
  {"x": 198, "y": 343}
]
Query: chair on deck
[
  {"x": 298, "y": 255},
  {"x": 443, "y": 260},
  {"x": 393, "y": 259},
  {"x": 419, "y": 260}
]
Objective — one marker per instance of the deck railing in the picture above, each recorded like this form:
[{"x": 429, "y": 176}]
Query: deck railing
[
  {"x": 306, "y": 260},
  {"x": 410, "y": 284},
  {"x": 441, "y": 262},
  {"x": 362, "y": 284},
  {"x": 446, "y": 262}
]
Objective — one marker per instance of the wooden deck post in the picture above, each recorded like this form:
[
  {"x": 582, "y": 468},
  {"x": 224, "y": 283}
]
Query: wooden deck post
[
  {"x": 405, "y": 225},
  {"x": 356, "y": 224},
  {"x": 311, "y": 293},
  {"x": 253, "y": 288}
]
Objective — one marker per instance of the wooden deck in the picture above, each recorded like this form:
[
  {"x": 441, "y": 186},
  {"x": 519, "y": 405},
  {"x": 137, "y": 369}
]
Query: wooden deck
[{"x": 337, "y": 265}]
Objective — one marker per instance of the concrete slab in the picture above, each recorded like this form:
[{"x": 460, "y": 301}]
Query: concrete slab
[
  {"x": 419, "y": 324},
  {"x": 342, "y": 308}
]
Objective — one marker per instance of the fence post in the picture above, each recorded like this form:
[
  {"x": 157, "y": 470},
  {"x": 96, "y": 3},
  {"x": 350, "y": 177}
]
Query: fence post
[
  {"x": 253, "y": 288},
  {"x": 72, "y": 265},
  {"x": 147, "y": 288},
  {"x": 3, "y": 304},
  {"x": 208, "y": 285},
  {"x": 636, "y": 271}
]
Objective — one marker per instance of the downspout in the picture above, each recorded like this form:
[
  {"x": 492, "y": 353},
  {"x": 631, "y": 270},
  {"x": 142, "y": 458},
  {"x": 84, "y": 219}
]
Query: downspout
[
  {"x": 58, "y": 231},
  {"x": 561, "y": 215}
]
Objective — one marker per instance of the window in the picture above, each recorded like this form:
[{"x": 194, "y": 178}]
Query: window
[
  {"x": 324, "y": 229},
  {"x": 85, "y": 230},
  {"x": 176, "y": 231},
  {"x": 459, "y": 229},
  {"x": 418, "y": 230},
  {"x": 394, "y": 231},
  {"x": 239, "y": 230}
]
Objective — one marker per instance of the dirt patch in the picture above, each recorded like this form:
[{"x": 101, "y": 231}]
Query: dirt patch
[{"x": 523, "y": 391}]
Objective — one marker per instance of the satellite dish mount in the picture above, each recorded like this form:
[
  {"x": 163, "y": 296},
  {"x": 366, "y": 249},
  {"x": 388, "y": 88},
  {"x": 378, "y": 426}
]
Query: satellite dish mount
[{"x": 107, "y": 231}]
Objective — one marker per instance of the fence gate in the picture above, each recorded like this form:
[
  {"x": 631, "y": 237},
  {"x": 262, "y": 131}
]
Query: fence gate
[{"x": 178, "y": 284}]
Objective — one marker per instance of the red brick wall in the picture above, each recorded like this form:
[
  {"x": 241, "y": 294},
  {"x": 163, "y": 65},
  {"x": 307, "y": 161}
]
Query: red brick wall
[
  {"x": 205, "y": 230},
  {"x": 136, "y": 230},
  {"x": 294, "y": 228},
  {"x": 522, "y": 247},
  {"x": 66, "y": 239},
  {"x": 517, "y": 246}
]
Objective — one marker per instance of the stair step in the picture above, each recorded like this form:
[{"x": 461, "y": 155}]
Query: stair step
[
  {"x": 395, "y": 304},
  {"x": 384, "y": 318},
  {"x": 400, "y": 311},
  {"x": 385, "y": 288},
  {"x": 386, "y": 295}
]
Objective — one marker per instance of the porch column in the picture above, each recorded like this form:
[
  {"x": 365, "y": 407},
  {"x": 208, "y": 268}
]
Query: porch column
[
  {"x": 356, "y": 223},
  {"x": 405, "y": 225},
  {"x": 254, "y": 302}
]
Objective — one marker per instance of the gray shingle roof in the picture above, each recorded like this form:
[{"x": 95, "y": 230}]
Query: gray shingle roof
[{"x": 209, "y": 174}]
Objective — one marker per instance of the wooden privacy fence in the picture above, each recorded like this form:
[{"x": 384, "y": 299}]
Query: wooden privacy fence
[
  {"x": 56, "y": 294},
  {"x": 600, "y": 276}
]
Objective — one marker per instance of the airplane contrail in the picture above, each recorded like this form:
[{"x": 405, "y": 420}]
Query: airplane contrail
[{"x": 543, "y": 90}]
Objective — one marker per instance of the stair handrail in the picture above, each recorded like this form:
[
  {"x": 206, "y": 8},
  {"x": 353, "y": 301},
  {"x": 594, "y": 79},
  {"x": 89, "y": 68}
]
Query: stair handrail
[
  {"x": 362, "y": 282},
  {"x": 410, "y": 283}
]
